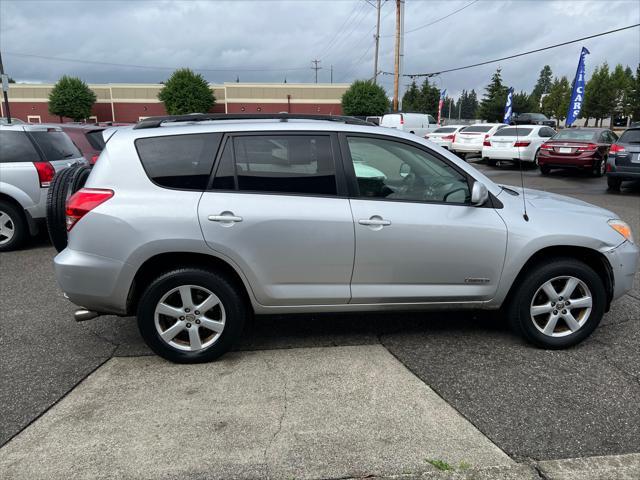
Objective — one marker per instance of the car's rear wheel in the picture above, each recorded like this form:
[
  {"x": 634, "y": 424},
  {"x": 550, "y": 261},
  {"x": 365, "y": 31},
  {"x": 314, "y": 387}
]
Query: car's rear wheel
[
  {"x": 191, "y": 315},
  {"x": 599, "y": 168},
  {"x": 13, "y": 227},
  {"x": 614, "y": 183},
  {"x": 491, "y": 162},
  {"x": 545, "y": 170},
  {"x": 558, "y": 304}
]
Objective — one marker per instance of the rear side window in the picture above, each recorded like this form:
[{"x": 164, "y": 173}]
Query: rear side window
[
  {"x": 95, "y": 139},
  {"x": 55, "y": 145},
  {"x": 476, "y": 129},
  {"x": 301, "y": 164},
  {"x": 179, "y": 161},
  {"x": 445, "y": 130},
  {"x": 15, "y": 146},
  {"x": 630, "y": 136}
]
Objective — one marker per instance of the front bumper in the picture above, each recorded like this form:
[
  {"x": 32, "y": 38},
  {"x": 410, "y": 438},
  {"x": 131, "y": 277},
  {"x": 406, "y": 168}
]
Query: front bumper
[
  {"x": 624, "y": 264},
  {"x": 94, "y": 282}
]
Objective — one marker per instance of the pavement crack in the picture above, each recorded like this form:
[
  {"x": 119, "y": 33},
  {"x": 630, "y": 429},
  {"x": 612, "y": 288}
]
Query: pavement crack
[
  {"x": 280, "y": 422},
  {"x": 539, "y": 471}
]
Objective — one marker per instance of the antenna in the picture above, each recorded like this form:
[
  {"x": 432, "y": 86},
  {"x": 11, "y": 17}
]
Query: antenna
[{"x": 524, "y": 198}]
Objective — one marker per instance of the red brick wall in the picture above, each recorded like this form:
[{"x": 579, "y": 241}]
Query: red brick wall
[{"x": 307, "y": 108}]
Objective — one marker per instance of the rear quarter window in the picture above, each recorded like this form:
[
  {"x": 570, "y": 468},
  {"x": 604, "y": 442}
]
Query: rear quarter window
[
  {"x": 55, "y": 145},
  {"x": 179, "y": 161},
  {"x": 15, "y": 147},
  {"x": 95, "y": 139}
]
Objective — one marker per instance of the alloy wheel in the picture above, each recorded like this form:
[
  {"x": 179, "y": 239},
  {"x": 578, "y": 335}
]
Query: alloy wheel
[
  {"x": 7, "y": 228},
  {"x": 190, "y": 318},
  {"x": 561, "y": 306}
]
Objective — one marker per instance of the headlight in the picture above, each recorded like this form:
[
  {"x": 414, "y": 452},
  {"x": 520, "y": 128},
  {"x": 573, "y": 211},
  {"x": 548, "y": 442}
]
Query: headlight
[{"x": 622, "y": 228}]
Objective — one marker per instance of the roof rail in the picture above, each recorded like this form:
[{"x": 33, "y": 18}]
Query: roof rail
[{"x": 154, "y": 122}]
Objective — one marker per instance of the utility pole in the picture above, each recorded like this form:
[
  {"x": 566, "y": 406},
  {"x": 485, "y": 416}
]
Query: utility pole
[
  {"x": 459, "y": 107},
  {"x": 401, "y": 61},
  {"x": 316, "y": 67},
  {"x": 331, "y": 73},
  {"x": 375, "y": 60},
  {"x": 396, "y": 63},
  {"x": 5, "y": 89}
]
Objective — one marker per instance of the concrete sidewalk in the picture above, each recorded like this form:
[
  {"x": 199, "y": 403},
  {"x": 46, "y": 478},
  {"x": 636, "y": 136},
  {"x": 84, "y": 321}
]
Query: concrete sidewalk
[{"x": 301, "y": 413}]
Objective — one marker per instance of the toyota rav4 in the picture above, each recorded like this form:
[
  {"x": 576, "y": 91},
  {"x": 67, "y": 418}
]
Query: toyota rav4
[{"x": 193, "y": 223}]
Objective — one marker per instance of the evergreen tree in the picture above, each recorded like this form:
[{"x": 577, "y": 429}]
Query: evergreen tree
[
  {"x": 523, "y": 102},
  {"x": 622, "y": 83},
  {"x": 599, "y": 94},
  {"x": 411, "y": 98},
  {"x": 634, "y": 96},
  {"x": 429, "y": 98},
  {"x": 556, "y": 103},
  {"x": 472, "y": 105},
  {"x": 543, "y": 86},
  {"x": 493, "y": 101}
]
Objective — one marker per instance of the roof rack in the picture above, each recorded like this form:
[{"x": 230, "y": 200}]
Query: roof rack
[{"x": 155, "y": 122}]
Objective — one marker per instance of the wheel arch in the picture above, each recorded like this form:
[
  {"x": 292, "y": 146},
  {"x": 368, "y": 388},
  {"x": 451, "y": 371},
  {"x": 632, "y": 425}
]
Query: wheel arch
[
  {"x": 161, "y": 263},
  {"x": 594, "y": 259}
]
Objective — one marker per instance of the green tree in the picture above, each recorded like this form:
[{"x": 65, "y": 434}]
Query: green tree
[
  {"x": 556, "y": 103},
  {"x": 543, "y": 86},
  {"x": 186, "y": 92},
  {"x": 411, "y": 97},
  {"x": 634, "y": 96},
  {"x": 429, "y": 98},
  {"x": 493, "y": 101},
  {"x": 599, "y": 95},
  {"x": 71, "y": 98},
  {"x": 523, "y": 102},
  {"x": 365, "y": 98},
  {"x": 622, "y": 82}
]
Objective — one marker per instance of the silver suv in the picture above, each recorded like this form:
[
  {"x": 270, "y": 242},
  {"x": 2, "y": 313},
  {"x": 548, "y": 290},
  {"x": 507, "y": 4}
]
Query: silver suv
[
  {"x": 193, "y": 223},
  {"x": 29, "y": 157}
]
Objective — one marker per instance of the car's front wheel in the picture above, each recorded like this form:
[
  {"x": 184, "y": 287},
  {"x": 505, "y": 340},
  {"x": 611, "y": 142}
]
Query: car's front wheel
[
  {"x": 191, "y": 315},
  {"x": 13, "y": 227},
  {"x": 558, "y": 304}
]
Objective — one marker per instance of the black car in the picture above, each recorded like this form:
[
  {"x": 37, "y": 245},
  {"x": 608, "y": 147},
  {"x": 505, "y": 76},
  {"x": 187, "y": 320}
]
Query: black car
[
  {"x": 533, "y": 119},
  {"x": 624, "y": 159}
]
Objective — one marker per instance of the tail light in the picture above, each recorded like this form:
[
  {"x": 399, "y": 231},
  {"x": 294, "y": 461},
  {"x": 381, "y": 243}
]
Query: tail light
[
  {"x": 589, "y": 147},
  {"x": 609, "y": 167},
  {"x": 449, "y": 137},
  {"x": 546, "y": 146},
  {"x": 453, "y": 137},
  {"x": 615, "y": 148},
  {"x": 83, "y": 201},
  {"x": 486, "y": 143},
  {"x": 522, "y": 144},
  {"x": 45, "y": 173},
  {"x": 94, "y": 158},
  {"x": 401, "y": 120}
]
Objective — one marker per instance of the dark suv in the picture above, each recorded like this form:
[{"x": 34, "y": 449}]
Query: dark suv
[
  {"x": 533, "y": 119},
  {"x": 624, "y": 159}
]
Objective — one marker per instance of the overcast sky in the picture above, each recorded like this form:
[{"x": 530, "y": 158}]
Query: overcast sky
[{"x": 266, "y": 41}]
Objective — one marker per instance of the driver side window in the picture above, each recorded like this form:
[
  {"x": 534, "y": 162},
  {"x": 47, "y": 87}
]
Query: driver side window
[{"x": 392, "y": 170}]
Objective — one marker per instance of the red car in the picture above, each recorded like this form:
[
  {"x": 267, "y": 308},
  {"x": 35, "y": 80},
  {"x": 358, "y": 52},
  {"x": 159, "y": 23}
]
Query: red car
[
  {"x": 583, "y": 149},
  {"x": 88, "y": 139}
]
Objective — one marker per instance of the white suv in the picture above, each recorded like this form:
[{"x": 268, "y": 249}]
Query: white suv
[{"x": 192, "y": 223}]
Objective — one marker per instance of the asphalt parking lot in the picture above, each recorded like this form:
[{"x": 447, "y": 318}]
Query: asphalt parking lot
[{"x": 533, "y": 404}]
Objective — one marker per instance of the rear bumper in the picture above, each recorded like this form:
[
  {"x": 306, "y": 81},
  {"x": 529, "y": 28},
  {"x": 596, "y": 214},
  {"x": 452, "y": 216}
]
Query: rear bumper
[
  {"x": 624, "y": 263},
  {"x": 466, "y": 148},
  {"x": 39, "y": 210},
  {"x": 500, "y": 154},
  {"x": 557, "y": 161},
  {"x": 94, "y": 282},
  {"x": 629, "y": 175}
]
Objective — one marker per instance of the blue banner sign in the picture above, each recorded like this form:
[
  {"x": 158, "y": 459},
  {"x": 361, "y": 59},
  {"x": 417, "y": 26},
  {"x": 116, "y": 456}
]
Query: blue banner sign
[
  {"x": 508, "y": 108},
  {"x": 577, "y": 95}
]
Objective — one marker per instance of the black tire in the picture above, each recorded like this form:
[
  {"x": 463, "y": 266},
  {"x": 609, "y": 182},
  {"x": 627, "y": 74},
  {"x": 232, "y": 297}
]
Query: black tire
[
  {"x": 59, "y": 192},
  {"x": 545, "y": 170},
  {"x": 232, "y": 301},
  {"x": 598, "y": 168},
  {"x": 79, "y": 178},
  {"x": 12, "y": 218},
  {"x": 492, "y": 162},
  {"x": 518, "y": 310},
  {"x": 614, "y": 183}
]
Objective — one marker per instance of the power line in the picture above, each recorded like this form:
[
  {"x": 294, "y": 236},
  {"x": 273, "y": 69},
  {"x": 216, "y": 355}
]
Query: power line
[
  {"x": 431, "y": 74},
  {"x": 150, "y": 67},
  {"x": 316, "y": 67},
  {"x": 356, "y": 7},
  {"x": 438, "y": 20}
]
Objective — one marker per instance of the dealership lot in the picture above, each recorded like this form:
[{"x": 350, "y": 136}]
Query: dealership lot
[{"x": 529, "y": 403}]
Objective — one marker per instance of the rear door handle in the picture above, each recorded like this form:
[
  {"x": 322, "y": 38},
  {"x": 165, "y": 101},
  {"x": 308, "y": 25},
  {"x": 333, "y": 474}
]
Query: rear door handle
[
  {"x": 374, "y": 221},
  {"x": 225, "y": 217}
]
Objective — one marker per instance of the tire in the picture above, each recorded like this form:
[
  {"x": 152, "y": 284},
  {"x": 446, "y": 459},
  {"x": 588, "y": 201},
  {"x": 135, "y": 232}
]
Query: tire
[
  {"x": 230, "y": 312},
  {"x": 599, "y": 168},
  {"x": 13, "y": 227},
  {"x": 614, "y": 184},
  {"x": 79, "y": 178},
  {"x": 491, "y": 162},
  {"x": 545, "y": 170},
  {"x": 529, "y": 294},
  {"x": 56, "y": 203}
]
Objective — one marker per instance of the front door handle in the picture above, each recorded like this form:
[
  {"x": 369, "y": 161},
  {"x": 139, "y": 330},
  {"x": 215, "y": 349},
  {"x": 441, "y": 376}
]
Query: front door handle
[
  {"x": 374, "y": 221},
  {"x": 225, "y": 217}
]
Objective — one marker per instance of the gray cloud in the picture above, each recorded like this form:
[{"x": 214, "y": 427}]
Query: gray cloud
[{"x": 235, "y": 36}]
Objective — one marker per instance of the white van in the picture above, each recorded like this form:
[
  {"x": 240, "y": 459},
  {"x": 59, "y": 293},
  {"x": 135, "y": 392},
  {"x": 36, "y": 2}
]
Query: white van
[{"x": 418, "y": 123}]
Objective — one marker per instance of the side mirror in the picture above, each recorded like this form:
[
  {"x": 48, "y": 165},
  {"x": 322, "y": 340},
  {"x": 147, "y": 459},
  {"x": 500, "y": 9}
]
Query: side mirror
[
  {"x": 405, "y": 169},
  {"x": 479, "y": 194}
]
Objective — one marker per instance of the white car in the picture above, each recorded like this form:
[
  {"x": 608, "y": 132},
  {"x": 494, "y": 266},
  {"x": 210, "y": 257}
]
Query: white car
[
  {"x": 444, "y": 136},
  {"x": 470, "y": 139},
  {"x": 519, "y": 143},
  {"x": 417, "y": 123}
]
